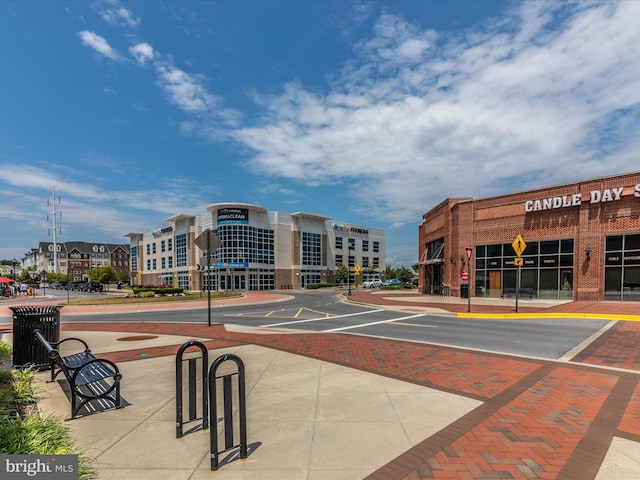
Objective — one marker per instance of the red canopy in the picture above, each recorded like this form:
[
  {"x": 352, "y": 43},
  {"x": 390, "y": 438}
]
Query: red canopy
[{"x": 6, "y": 280}]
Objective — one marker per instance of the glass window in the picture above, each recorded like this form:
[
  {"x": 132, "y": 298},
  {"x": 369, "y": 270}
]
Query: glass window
[
  {"x": 566, "y": 245},
  {"x": 494, "y": 250},
  {"x": 549, "y": 246},
  {"x": 181, "y": 250},
  {"x": 376, "y": 247},
  {"x": 339, "y": 242},
  {"x": 365, "y": 245},
  {"x": 311, "y": 248},
  {"x": 632, "y": 242},
  {"x": 613, "y": 243}
]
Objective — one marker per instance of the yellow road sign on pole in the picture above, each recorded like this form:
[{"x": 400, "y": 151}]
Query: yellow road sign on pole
[
  {"x": 518, "y": 262},
  {"x": 519, "y": 245}
]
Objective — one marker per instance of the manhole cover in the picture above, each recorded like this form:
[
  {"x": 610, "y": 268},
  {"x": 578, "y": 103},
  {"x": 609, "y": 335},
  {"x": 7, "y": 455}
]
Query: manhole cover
[{"x": 137, "y": 338}]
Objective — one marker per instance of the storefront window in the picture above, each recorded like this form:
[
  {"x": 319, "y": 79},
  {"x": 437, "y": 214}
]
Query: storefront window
[
  {"x": 547, "y": 269},
  {"x": 622, "y": 268}
]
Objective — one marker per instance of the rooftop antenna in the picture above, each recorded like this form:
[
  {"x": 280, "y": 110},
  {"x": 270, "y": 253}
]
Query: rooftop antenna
[{"x": 54, "y": 217}]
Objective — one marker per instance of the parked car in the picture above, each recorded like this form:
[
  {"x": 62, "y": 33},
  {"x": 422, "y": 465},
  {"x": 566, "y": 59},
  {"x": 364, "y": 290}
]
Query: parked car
[
  {"x": 94, "y": 287},
  {"x": 77, "y": 285},
  {"x": 372, "y": 284},
  {"x": 391, "y": 282}
]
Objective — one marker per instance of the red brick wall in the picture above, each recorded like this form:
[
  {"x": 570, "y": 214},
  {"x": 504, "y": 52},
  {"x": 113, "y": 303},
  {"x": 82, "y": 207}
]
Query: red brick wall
[{"x": 465, "y": 222}]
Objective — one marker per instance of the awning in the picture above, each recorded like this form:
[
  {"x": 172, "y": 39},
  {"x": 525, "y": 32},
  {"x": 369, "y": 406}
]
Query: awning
[
  {"x": 6, "y": 280},
  {"x": 432, "y": 261}
]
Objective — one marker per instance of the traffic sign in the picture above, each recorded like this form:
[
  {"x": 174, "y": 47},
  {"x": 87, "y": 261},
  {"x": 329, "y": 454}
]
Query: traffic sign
[
  {"x": 469, "y": 252},
  {"x": 465, "y": 276},
  {"x": 357, "y": 269},
  {"x": 518, "y": 261},
  {"x": 208, "y": 238},
  {"x": 519, "y": 245}
]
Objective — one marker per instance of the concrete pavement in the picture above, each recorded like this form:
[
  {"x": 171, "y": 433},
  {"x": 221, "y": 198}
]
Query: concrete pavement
[{"x": 342, "y": 406}]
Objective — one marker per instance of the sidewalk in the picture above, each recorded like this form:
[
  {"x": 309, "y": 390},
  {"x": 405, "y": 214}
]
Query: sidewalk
[{"x": 337, "y": 406}]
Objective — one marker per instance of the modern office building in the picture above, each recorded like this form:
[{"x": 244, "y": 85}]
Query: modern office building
[
  {"x": 252, "y": 249},
  {"x": 577, "y": 241}
]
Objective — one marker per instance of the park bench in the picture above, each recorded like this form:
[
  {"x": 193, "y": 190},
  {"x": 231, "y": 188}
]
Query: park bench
[
  {"x": 93, "y": 382},
  {"x": 507, "y": 292}
]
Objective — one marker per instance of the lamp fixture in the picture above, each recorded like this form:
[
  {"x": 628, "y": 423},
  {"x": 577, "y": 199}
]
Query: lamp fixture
[
  {"x": 451, "y": 259},
  {"x": 462, "y": 258},
  {"x": 587, "y": 252}
]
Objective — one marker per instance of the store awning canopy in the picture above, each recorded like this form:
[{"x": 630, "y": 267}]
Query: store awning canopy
[
  {"x": 437, "y": 256},
  {"x": 6, "y": 280},
  {"x": 432, "y": 261}
]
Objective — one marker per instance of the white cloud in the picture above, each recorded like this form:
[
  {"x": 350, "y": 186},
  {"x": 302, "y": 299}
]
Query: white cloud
[
  {"x": 417, "y": 116},
  {"x": 116, "y": 15},
  {"x": 142, "y": 52},
  {"x": 185, "y": 90},
  {"x": 99, "y": 44}
]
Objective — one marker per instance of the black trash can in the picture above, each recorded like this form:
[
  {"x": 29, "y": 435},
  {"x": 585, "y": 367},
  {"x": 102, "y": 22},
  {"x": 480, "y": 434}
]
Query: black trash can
[
  {"x": 464, "y": 290},
  {"x": 27, "y": 351}
]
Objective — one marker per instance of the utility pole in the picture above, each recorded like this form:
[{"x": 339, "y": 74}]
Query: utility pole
[{"x": 54, "y": 217}]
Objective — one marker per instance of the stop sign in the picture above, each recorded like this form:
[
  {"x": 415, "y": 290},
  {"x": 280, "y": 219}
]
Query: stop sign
[{"x": 465, "y": 276}]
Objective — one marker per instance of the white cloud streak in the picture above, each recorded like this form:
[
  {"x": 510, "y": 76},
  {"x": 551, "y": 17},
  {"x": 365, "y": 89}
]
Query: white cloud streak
[
  {"x": 99, "y": 44},
  {"x": 116, "y": 15}
]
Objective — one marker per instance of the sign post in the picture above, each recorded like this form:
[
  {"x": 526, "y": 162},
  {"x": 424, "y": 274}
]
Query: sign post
[
  {"x": 208, "y": 241},
  {"x": 469, "y": 251},
  {"x": 518, "y": 246}
]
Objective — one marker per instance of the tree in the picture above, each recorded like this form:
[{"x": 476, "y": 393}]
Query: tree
[
  {"x": 342, "y": 272},
  {"x": 404, "y": 274},
  {"x": 104, "y": 275}
]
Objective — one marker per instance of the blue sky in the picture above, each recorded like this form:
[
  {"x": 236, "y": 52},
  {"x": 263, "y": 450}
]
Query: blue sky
[{"x": 367, "y": 112}]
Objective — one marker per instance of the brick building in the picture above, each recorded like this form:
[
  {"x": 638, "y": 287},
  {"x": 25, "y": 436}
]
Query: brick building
[
  {"x": 582, "y": 242},
  {"x": 77, "y": 258}
]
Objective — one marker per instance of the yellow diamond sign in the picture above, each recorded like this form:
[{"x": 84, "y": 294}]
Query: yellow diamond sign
[{"x": 519, "y": 245}]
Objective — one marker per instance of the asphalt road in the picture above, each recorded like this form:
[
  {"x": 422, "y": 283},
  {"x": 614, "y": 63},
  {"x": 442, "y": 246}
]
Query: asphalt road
[{"x": 326, "y": 312}]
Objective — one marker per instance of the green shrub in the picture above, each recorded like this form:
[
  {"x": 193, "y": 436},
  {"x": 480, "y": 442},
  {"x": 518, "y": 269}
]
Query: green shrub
[
  {"x": 17, "y": 390},
  {"x": 5, "y": 349},
  {"x": 313, "y": 286},
  {"x": 26, "y": 431},
  {"x": 158, "y": 290},
  {"x": 145, "y": 294},
  {"x": 37, "y": 434}
]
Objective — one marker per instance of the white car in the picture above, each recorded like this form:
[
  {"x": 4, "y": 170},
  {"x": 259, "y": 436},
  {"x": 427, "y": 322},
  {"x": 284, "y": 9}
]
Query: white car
[{"x": 372, "y": 284}]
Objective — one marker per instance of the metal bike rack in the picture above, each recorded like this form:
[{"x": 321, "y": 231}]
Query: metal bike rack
[
  {"x": 228, "y": 408},
  {"x": 192, "y": 393}
]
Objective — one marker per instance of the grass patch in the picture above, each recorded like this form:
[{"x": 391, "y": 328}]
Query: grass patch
[{"x": 131, "y": 300}]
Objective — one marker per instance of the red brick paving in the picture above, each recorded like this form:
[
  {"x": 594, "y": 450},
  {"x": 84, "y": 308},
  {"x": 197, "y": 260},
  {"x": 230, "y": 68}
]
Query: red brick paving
[{"x": 538, "y": 420}]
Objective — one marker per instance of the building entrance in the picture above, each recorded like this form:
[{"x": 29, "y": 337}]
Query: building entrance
[{"x": 233, "y": 282}]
